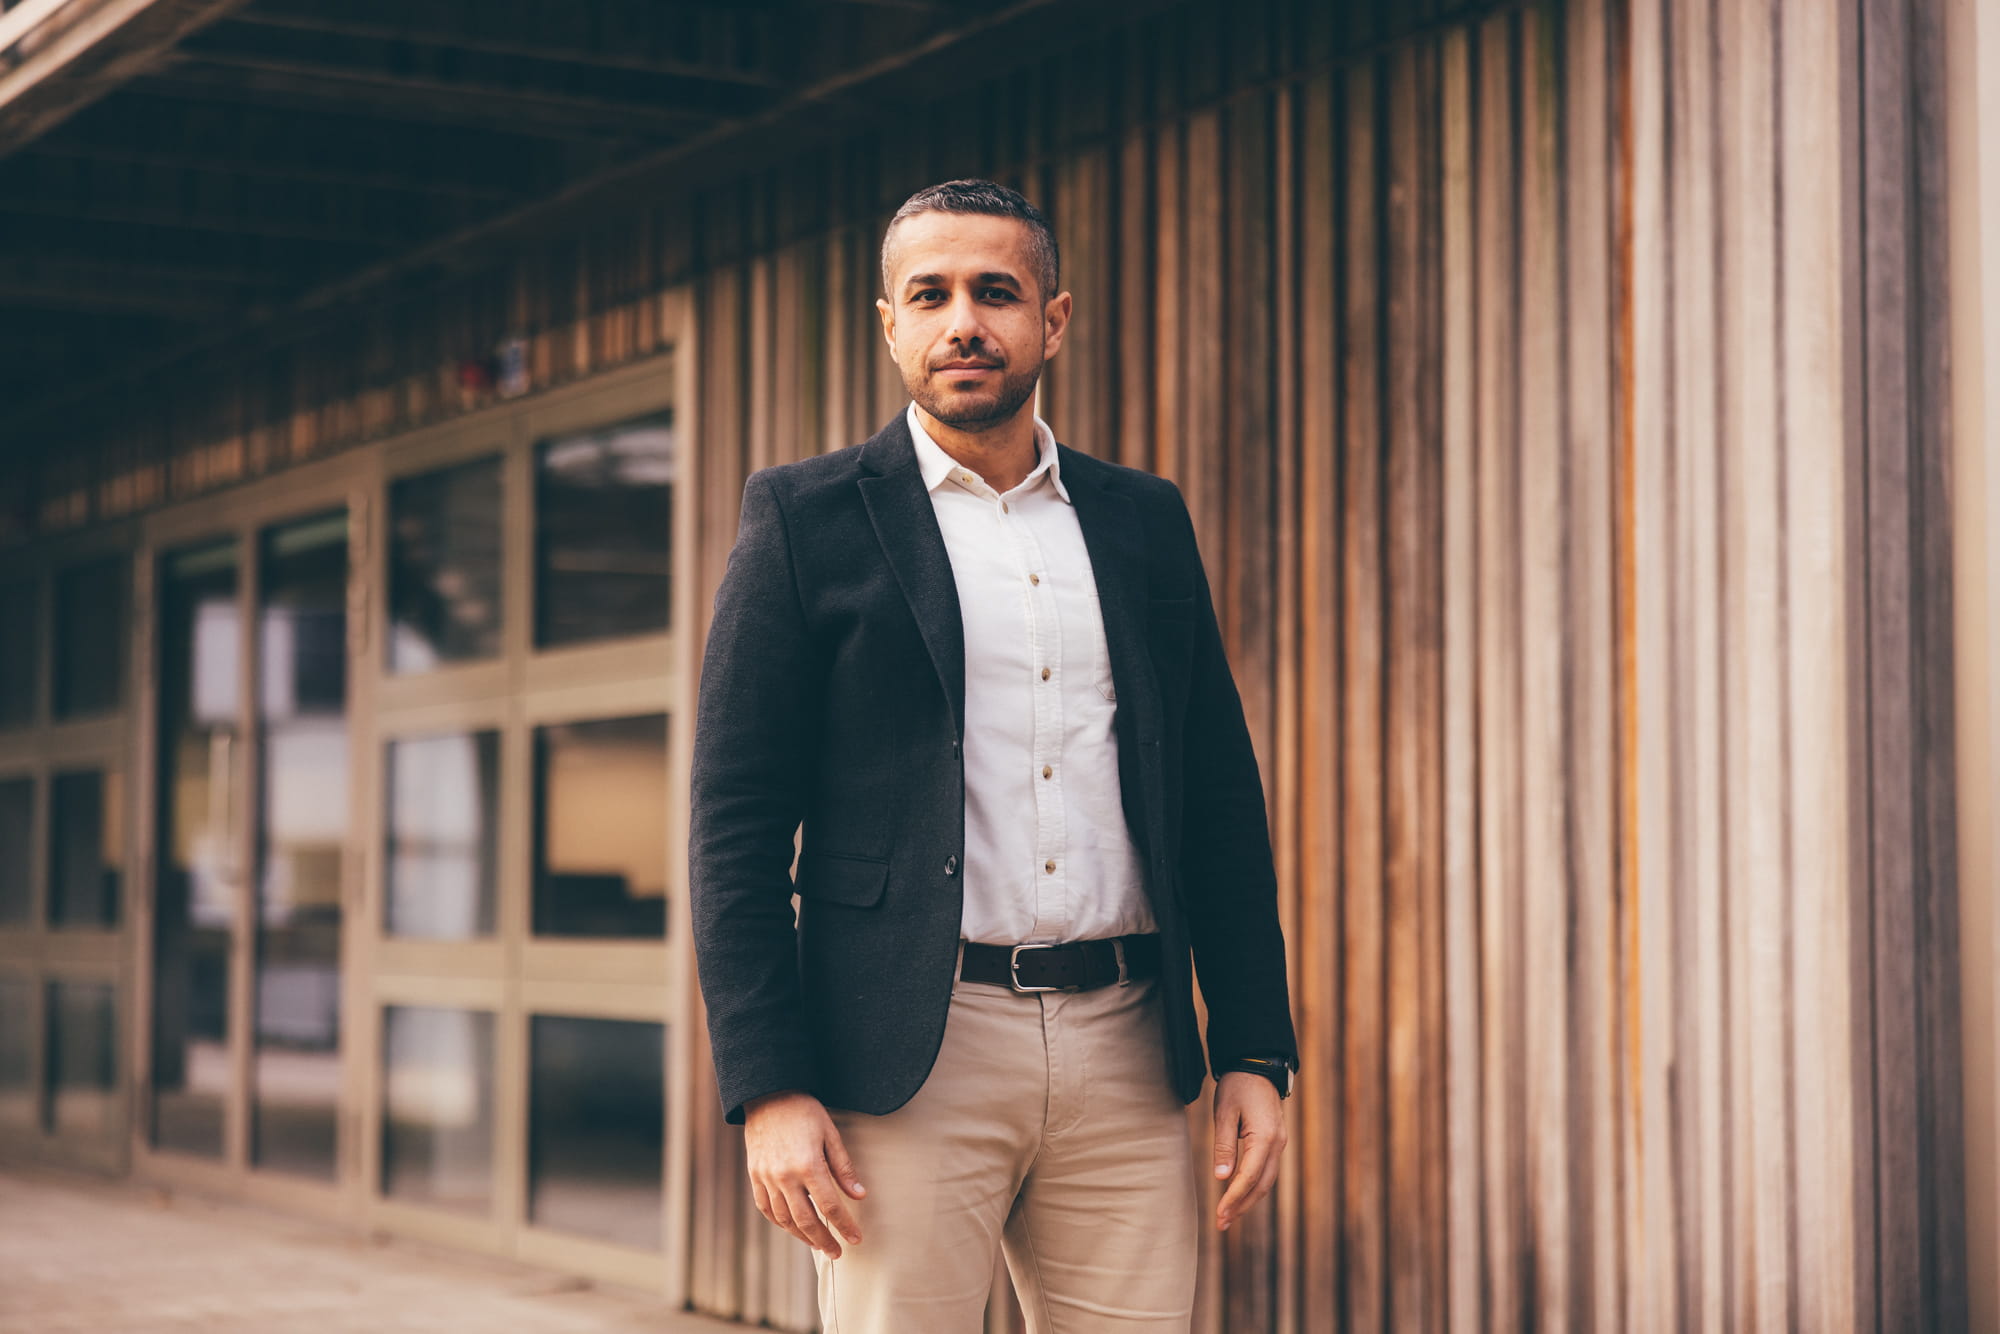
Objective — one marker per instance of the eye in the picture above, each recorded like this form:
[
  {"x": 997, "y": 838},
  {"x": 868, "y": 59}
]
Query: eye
[
  {"x": 997, "y": 294},
  {"x": 925, "y": 297}
]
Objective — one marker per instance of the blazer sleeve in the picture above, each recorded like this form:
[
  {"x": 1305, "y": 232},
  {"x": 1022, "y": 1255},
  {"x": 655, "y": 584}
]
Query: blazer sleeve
[
  {"x": 1229, "y": 883},
  {"x": 754, "y": 733}
]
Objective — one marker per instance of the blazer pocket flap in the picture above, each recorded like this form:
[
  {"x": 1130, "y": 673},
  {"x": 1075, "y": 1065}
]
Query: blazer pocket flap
[{"x": 848, "y": 880}]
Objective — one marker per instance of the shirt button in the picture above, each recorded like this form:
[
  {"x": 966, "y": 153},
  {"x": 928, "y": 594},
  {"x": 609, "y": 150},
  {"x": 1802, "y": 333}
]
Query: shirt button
[
  {"x": 1047, "y": 772},
  {"x": 951, "y": 865},
  {"x": 1045, "y": 673},
  {"x": 1049, "y": 866},
  {"x": 1003, "y": 507},
  {"x": 1034, "y": 578}
]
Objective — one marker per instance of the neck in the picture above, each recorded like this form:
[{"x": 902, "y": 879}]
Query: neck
[{"x": 1003, "y": 453}]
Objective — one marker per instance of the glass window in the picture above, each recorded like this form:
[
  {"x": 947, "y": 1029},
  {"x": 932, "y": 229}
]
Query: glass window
[
  {"x": 302, "y": 826},
  {"x": 199, "y": 860},
  {"x": 17, "y": 842},
  {"x": 444, "y": 567},
  {"x": 437, "y": 1106},
  {"x": 85, "y": 848},
  {"x": 442, "y": 862},
  {"x": 601, "y": 828},
  {"x": 90, "y": 638},
  {"x": 604, "y": 532},
  {"x": 20, "y": 652},
  {"x": 83, "y": 1058},
  {"x": 596, "y": 1120},
  {"x": 17, "y": 1051}
]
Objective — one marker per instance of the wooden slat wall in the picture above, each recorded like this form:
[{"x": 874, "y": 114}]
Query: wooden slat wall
[{"x": 1511, "y": 358}]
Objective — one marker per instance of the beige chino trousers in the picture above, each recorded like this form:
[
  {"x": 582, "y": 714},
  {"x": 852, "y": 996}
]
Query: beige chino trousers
[{"x": 1047, "y": 1130}]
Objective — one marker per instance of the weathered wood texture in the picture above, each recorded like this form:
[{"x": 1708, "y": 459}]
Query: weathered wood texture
[{"x": 1567, "y": 460}]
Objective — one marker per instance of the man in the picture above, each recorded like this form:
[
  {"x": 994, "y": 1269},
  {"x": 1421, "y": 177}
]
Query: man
[{"x": 983, "y": 672}]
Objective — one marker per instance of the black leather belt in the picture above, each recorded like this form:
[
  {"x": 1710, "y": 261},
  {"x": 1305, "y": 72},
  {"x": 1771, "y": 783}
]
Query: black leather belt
[{"x": 1079, "y": 966}]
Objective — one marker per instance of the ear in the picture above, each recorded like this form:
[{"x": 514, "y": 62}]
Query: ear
[
  {"x": 888, "y": 314},
  {"x": 1055, "y": 323}
]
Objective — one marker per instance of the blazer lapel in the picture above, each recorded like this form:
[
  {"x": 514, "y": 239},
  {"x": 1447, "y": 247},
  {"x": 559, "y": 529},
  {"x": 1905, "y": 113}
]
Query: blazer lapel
[
  {"x": 1117, "y": 545},
  {"x": 906, "y": 526}
]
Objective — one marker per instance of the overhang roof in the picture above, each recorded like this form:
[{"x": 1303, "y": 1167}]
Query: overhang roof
[{"x": 175, "y": 174}]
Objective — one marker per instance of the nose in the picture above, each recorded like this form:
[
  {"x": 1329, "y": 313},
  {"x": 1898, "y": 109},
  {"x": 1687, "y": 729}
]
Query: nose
[{"x": 967, "y": 328}]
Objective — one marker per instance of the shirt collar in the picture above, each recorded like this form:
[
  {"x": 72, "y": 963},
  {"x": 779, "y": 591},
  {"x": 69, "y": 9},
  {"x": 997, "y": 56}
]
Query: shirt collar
[{"x": 936, "y": 465}]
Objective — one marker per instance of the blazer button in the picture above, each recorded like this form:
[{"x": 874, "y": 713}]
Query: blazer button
[{"x": 951, "y": 865}]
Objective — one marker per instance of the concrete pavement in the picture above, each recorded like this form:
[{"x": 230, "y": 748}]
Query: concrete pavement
[{"x": 83, "y": 1256}]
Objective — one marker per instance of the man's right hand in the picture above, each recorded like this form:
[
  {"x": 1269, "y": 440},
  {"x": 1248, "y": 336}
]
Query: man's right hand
[{"x": 797, "y": 1161}]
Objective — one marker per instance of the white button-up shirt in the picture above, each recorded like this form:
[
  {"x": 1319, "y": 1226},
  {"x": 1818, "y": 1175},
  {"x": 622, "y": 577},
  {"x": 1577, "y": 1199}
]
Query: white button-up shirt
[{"x": 1047, "y": 854}]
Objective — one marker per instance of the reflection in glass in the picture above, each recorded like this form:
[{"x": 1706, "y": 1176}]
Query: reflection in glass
[
  {"x": 17, "y": 1052},
  {"x": 437, "y": 1106},
  {"x": 596, "y": 1118},
  {"x": 199, "y": 865},
  {"x": 17, "y": 834},
  {"x": 302, "y": 824},
  {"x": 85, "y": 848},
  {"x": 83, "y": 1058},
  {"x": 604, "y": 532},
  {"x": 20, "y": 656},
  {"x": 90, "y": 637},
  {"x": 444, "y": 566},
  {"x": 444, "y": 838},
  {"x": 601, "y": 837}
]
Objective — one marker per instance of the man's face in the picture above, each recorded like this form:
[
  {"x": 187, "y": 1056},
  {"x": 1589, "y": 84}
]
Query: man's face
[{"x": 965, "y": 318}]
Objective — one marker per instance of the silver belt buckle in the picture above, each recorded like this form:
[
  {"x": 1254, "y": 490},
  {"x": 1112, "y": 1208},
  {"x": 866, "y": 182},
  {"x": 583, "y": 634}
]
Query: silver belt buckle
[
  {"x": 1014, "y": 970},
  {"x": 1118, "y": 950}
]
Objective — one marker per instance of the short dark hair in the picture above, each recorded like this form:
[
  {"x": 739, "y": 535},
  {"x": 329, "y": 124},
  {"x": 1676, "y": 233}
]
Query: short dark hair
[{"x": 992, "y": 200}]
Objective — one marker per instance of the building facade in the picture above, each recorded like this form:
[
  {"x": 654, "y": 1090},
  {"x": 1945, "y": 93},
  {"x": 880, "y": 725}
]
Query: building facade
[{"x": 1561, "y": 392}]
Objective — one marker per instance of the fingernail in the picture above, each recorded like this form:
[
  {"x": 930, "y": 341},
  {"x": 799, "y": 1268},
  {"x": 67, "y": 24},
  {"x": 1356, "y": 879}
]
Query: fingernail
[{"x": 1222, "y": 1169}]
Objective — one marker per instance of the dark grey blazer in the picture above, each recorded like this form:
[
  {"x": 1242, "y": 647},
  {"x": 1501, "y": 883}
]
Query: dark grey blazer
[{"x": 832, "y": 696}]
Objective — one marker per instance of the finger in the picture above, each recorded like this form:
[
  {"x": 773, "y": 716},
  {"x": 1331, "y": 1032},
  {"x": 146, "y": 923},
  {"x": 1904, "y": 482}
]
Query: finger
[
  {"x": 810, "y": 1227},
  {"x": 763, "y": 1199},
  {"x": 1228, "y": 1127},
  {"x": 1255, "y": 1150},
  {"x": 781, "y": 1214},
  {"x": 842, "y": 1165},
  {"x": 1268, "y": 1179},
  {"x": 833, "y": 1207}
]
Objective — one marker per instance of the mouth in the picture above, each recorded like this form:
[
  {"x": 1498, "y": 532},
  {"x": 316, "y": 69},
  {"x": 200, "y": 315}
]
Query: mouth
[{"x": 963, "y": 371}]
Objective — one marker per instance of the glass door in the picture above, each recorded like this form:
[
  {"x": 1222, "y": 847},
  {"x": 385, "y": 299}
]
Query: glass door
[{"x": 251, "y": 810}]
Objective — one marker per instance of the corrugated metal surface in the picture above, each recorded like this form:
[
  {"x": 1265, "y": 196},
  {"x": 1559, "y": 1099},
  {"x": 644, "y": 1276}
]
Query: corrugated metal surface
[{"x": 1510, "y": 361}]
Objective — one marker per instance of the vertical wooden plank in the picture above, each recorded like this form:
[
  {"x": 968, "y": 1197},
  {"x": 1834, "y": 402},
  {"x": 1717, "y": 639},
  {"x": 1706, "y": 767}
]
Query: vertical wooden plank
[
  {"x": 1509, "y": 1294},
  {"x": 1170, "y": 300},
  {"x": 1590, "y": 509},
  {"x": 1545, "y": 872},
  {"x": 1754, "y": 774},
  {"x": 1409, "y": 731},
  {"x": 1364, "y": 1021},
  {"x": 1205, "y": 475},
  {"x": 1699, "y": 816},
  {"x": 1817, "y": 314},
  {"x": 1321, "y": 982},
  {"x": 1656, "y": 1298},
  {"x": 1130, "y": 347},
  {"x": 1465, "y": 1302}
]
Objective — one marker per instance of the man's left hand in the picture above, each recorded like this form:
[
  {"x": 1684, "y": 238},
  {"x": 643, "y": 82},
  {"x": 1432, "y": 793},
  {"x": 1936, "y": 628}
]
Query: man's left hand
[{"x": 1249, "y": 1141}]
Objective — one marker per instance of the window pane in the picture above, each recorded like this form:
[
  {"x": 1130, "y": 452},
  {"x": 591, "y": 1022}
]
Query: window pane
[
  {"x": 20, "y": 652},
  {"x": 601, "y": 846},
  {"x": 199, "y": 863},
  {"x": 302, "y": 812},
  {"x": 596, "y": 1119},
  {"x": 83, "y": 1058},
  {"x": 85, "y": 848},
  {"x": 17, "y": 1052},
  {"x": 444, "y": 567},
  {"x": 90, "y": 637},
  {"x": 444, "y": 836},
  {"x": 437, "y": 1106},
  {"x": 17, "y": 834},
  {"x": 604, "y": 532}
]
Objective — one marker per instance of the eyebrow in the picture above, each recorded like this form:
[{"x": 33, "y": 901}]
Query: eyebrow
[{"x": 992, "y": 279}]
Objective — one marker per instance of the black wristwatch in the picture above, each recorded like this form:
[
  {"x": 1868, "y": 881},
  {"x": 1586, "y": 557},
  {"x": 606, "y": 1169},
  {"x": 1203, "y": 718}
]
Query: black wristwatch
[{"x": 1277, "y": 1069}]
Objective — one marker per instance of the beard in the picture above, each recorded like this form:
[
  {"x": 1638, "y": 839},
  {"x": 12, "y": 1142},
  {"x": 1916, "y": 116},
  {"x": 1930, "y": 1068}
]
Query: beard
[{"x": 974, "y": 410}]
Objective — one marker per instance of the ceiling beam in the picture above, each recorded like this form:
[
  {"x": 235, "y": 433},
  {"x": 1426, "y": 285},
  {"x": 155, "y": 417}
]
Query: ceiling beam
[
  {"x": 264, "y": 81},
  {"x": 606, "y": 36},
  {"x": 83, "y": 60},
  {"x": 60, "y": 284}
]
